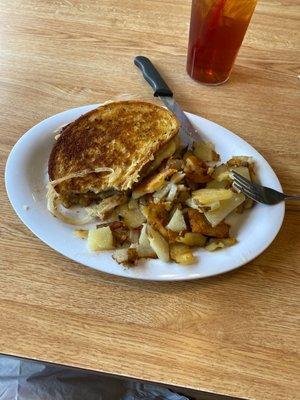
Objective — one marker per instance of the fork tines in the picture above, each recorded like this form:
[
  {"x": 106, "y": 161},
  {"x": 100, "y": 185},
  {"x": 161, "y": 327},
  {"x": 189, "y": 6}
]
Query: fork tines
[{"x": 248, "y": 188}]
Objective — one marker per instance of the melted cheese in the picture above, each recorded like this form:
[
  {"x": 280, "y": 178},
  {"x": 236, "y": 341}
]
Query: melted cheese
[{"x": 167, "y": 151}]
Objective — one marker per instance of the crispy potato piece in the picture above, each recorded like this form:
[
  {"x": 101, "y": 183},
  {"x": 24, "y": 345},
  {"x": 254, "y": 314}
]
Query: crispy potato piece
[
  {"x": 157, "y": 215},
  {"x": 182, "y": 254},
  {"x": 199, "y": 224},
  {"x": 215, "y": 244},
  {"x": 129, "y": 256},
  {"x": 143, "y": 239},
  {"x": 206, "y": 151},
  {"x": 218, "y": 185},
  {"x": 159, "y": 244},
  {"x": 221, "y": 173},
  {"x": 177, "y": 222},
  {"x": 152, "y": 183},
  {"x": 132, "y": 218},
  {"x": 190, "y": 202},
  {"x": 145, "y": 251},
  {"x": 209, "y": 196},
  {"x": 239, "y": 161},
  {"x": 214, "y": 206},
  {"x": 126, "y": 257},
  {"x": 100, "y": 239},
  {"x": 244, "y": 171},
  {"x": 246, "y": 205},
  {"x": 81, "y": 233},
  {"x": 195, "y": 169},
  {"x": 192, "y": 239},
  {"x": 214, "y": 217},
  {"x": 120, "y": 232},
  {"x": 243, "y": 161}
]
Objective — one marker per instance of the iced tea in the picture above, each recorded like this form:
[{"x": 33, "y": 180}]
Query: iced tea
[{"x": 217, "y": 30}]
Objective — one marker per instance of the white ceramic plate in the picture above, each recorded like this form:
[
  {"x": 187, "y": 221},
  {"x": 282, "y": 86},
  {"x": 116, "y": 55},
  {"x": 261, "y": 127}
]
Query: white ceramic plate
[{"x": 26, "y": 177}]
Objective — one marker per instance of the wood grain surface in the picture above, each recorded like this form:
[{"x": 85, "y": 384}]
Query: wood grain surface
[{"x": 235, "y": 334}]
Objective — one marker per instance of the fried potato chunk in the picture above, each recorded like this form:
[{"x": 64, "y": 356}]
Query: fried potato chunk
[
  {"x": 206, "y": 151},
  {"x": 215, "y": 244},
  {"x": 195, "y": 169},
  {"x": 209, "y": 196},
  {"x": 126, "y": 257},
  {"x": 177, "y": 222},
  {"x": 182, "y": 254},
  {"x": 239, "y": 161},
  {"x": 192, "y": 239},
  {"x": 100, "y": 239},
  {"x": 159, "y": 244},
  {"x": 157, "y": 216},
  {"x": 200, "y": 224},
  {"x": 132, "y": 218},
  {"x": 81, "y": 233},
  {"x": 120, "y": 232}
]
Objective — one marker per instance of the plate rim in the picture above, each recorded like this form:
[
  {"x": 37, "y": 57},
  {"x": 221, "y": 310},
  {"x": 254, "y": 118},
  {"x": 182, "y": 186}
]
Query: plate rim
[{"x": 86, "y": 108}]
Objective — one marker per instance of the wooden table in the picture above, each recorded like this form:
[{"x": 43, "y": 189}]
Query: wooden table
[{"x": 235, "y": 334}]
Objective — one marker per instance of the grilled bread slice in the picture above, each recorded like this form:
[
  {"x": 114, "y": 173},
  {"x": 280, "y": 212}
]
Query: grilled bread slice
[{"x": 125, "y": 137}]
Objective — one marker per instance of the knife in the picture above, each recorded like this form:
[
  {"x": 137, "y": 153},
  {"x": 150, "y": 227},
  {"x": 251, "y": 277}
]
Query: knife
[{"x": 188, "y": 133}]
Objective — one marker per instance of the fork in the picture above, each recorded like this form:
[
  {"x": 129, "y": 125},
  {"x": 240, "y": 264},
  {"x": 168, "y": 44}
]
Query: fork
[{"x": 261, "y": 194}]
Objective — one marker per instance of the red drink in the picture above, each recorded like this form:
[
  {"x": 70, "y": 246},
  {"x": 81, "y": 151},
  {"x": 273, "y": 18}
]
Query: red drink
[{"x": 217, "y": 30}]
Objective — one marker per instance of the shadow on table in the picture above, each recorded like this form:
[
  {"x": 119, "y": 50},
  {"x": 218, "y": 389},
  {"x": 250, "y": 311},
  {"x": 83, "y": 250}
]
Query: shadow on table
[{"x": 25, "y": 379}]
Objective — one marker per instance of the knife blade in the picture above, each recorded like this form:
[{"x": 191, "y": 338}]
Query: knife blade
[{"x": 188, "y": 133}]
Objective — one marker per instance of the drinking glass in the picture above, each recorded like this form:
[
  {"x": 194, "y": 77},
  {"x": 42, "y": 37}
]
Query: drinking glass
[{"x": 217, "y": 30}]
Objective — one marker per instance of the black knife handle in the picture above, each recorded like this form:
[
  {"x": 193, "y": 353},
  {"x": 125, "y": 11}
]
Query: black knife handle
[{"x": 153, "y": 77}]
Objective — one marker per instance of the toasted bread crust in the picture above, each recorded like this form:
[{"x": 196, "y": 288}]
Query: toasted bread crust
[{"x": 121, "y": 135}]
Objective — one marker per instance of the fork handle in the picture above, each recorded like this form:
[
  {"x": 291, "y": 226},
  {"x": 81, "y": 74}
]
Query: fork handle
[{"x": 295, "y": 197}]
